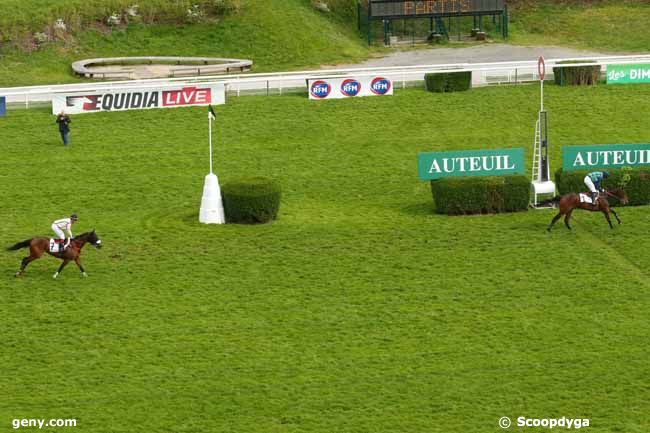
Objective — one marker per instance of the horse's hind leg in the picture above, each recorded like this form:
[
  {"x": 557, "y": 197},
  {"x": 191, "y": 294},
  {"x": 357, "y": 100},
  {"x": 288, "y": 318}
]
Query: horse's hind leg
[
  {"x": 616, "y": 215},
  {"x": 23, "y": 264},
  {"x": 557, "y": 217},
  {"x": 33, "y": 255},
  {"x": 567, "y": 218}
]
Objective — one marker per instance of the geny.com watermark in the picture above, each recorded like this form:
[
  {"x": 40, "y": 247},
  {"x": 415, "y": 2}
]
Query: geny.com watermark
[
  {"x": 42, "y": 423},
  {"x": 550, "y": 423}
]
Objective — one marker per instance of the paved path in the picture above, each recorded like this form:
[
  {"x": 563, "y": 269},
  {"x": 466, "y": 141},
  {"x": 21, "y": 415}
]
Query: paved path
[{"x": 483, "y": 53}]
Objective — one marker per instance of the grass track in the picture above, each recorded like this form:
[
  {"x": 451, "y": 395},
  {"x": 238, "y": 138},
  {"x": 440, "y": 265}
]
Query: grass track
[{"x": 357, "y": 310}]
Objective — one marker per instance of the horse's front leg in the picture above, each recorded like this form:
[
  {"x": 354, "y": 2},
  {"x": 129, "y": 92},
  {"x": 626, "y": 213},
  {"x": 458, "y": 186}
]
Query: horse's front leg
[
  {"x": 81, "y": 268},
  {"x": 609, "y": 220},
  {"x": 616, "y": 216},
  {"x": 65, "y": 262}
]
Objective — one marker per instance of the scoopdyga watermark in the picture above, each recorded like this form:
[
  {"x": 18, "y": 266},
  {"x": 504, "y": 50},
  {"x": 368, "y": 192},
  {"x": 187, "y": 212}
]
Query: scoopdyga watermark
[{"x": 549, "y": 423}]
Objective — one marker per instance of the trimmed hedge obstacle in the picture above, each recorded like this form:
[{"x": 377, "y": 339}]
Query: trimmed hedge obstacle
[
  {"x": 576, "y": 75},
  {"x": 253, "y": 200},
  {"x": 479, "y": 195},
  {"x": 448, "y": 82},
  {"x": 635, "y": 182}
]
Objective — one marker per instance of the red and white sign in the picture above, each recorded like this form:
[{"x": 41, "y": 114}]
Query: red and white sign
[
  {"x": 139, "y": 99},
  {"x": 541, "y": 68}
]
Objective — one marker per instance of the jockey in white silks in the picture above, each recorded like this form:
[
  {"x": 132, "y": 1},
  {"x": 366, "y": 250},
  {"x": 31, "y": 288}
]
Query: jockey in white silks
[{"x": 64, "y": 224}]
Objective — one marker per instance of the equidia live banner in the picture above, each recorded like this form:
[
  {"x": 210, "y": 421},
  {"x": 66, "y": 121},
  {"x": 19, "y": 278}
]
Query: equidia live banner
[
  {"x": 497, "y": 162},
  {"x": 139, "y": 99},
  {"x": 628, "y": 74},
  {"x": 338, "y": 88},
  {"x": 605, "y": 156}
]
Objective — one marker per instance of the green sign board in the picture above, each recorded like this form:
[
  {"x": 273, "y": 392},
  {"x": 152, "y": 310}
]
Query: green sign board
[
  {"x": 499, "y": 162},
  {"x": 605, "y": 156},
  {"x": 628, "y": 74}
]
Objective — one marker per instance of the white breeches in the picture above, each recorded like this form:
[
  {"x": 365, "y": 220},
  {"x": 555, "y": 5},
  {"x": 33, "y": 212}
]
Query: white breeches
[
  {"x": 590, "y": 184},
  {"x": 58, "y": 231}
]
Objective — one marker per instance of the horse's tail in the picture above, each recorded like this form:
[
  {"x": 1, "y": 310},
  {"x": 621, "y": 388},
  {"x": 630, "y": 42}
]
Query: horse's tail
[
  {"x": 20, "y": 245},
  {"x": 555, "y": 199}
]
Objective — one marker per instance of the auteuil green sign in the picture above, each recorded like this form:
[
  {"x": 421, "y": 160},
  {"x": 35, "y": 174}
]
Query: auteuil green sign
[
  {"x": 499, "y": 162},
  {"x": 605, "y": 156},
  {"x": 628, "y": 74}
]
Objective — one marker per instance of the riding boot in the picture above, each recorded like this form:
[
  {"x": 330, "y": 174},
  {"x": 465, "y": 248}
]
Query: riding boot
[{"x": 594, "y": 198}]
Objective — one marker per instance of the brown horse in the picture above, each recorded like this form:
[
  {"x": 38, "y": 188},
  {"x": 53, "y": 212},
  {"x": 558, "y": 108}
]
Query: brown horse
[
  {"x": 569, "y": 202},
  {"x": 38, "y": 246}
]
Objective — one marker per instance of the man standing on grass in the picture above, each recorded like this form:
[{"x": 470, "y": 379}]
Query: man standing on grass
[{"x": 64, "y": 126}]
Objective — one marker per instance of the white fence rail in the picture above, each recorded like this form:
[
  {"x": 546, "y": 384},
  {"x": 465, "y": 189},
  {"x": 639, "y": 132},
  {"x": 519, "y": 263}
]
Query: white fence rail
[{"x": 276, "y": 83}]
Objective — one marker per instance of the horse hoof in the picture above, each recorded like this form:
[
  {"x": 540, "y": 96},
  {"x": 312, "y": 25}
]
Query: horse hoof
[
  {"x": 55, "y": 275},
  {"x": 18, "y": 274},
  {"x": 84, "y": 275}
]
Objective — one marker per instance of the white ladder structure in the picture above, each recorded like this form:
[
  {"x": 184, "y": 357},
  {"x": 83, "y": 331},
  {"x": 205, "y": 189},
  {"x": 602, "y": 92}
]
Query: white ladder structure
[
  {"x": 541, "y": 172},
  {"x": 541, "y": 176}
]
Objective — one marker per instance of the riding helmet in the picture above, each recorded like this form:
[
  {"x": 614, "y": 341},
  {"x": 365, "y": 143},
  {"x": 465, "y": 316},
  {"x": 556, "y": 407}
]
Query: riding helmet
[
  {"x": 73, "y": 217},
  {"x": 605, "y": 174}
]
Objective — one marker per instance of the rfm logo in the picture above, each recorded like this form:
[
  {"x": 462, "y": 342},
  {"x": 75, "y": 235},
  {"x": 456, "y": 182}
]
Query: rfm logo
[
  {"x": 380, "y": 86},
  {"x": 350, "y": 87},
  {"x": 320, "y": 89}
]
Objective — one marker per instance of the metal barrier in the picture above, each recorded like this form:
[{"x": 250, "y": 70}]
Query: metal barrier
[{"x": 484, "y": 74}]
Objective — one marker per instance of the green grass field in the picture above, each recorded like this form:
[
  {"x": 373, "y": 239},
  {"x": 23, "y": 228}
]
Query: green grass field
[
  {"x": 615, "y": 26},
  {"x": 358, "y": 310},
  {"x": 277, "y": 36},
  {"x": 281, "y": 35}
]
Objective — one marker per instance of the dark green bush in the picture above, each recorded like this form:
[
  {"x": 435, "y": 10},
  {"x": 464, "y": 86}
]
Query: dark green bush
[
  {"x": 474, "y": 195},
  {"x": 448, "y": 81},
  {"x": 251, "y": 201},
  {"x": 576, "y": 75},
  {"x": 635, "y": 182}
]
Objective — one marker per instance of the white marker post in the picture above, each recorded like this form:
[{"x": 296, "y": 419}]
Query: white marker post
[
  {"x": 541, "y": 70},
  {"x": 211, "y": 211}
]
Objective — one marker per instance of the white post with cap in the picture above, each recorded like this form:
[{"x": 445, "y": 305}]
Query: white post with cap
[{"x": 211, "y": 211}]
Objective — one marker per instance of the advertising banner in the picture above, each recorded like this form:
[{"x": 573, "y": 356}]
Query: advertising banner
[
  {"x": 628, "y": 74},
  {"x": 497, "y": 162},
  {"x": 139, "y": 99},
  {"x": 3, "y": 106},
  {"x": 605, "y": 156},
  {"x": 339, "y": 88}
]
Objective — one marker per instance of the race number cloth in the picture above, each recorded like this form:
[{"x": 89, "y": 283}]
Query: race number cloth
[
  {"x": 584, "y": 198},
  {"x": 138, "y": 99},
  {"x": 55, "y": 245}
]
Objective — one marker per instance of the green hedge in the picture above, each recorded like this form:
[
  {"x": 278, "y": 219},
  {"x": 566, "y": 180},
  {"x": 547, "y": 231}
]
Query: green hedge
[
  {"x": 448, "y": 81},
  {"x": 635, "y": 182},
  {"x": 576, "y": 75},
  {"x": 475, "y": 195},
  {"x": 251, "y": 201}
]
